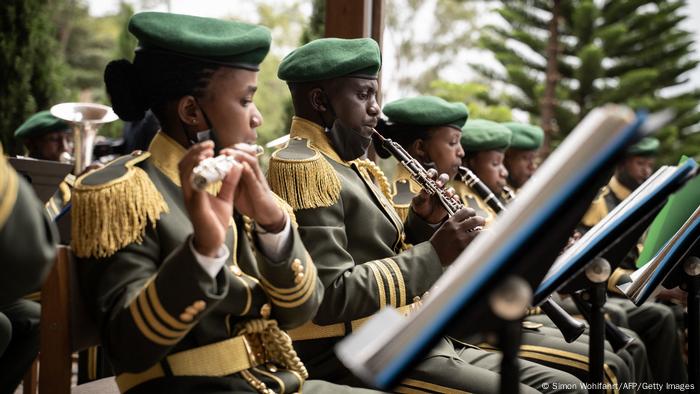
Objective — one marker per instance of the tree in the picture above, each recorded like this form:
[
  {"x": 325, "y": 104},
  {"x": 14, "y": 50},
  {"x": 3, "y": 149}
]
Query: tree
[
  {"x": 29, "y": 79},
  {"x": 632, "y": 52},
  {"x": 477, "y": 96},
  {"x": 426, "y": 36}
]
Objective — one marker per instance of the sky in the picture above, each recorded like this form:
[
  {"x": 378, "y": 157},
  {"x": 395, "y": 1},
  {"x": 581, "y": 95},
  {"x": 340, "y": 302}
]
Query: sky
[{"x": 243, "y": 9}]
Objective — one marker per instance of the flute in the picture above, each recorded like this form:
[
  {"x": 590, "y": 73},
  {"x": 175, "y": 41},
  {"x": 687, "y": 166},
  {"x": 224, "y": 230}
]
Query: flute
[{"x": 214, "y": 169}]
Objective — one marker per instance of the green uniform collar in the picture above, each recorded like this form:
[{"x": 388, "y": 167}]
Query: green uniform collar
[{"x": 303, "y": 128}]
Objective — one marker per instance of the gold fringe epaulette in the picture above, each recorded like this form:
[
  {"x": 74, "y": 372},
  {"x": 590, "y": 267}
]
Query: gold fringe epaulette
[
  {"x": 302, "y": 177},
  {"x": 598, "y": 209},
  {"x": 112, "y": 206}
]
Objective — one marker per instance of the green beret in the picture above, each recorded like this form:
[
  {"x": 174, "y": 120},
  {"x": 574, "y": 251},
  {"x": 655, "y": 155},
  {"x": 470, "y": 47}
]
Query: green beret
[
  {"x": 39, "y": 124},
  {"x": 525, "y": 136},
  {"x": 480, "y": 135},
  {"x": 426, "y": 111},
  {"x": 228, "y": 43},
  {"x": 647, "y": 146},
  {"x": 328, "y": 58}
]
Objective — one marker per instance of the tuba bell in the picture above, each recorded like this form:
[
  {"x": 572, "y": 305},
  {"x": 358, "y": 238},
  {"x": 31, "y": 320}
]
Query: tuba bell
[{"x": 85, "y": 119}]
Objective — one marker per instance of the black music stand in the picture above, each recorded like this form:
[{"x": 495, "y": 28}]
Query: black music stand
[{"x": 514, "y": 255}]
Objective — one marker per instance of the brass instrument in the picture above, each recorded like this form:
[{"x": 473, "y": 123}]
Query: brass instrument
[
  {"x": 85, "y": 119},
  {"x": 214, "y": 169}
]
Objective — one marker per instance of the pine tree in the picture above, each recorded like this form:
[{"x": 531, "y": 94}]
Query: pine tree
[
  {"x": 29, "y": 79},
  {"x": 632, "y": 52}
]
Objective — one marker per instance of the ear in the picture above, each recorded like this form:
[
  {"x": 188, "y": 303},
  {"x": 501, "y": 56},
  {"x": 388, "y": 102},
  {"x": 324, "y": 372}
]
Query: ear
[
  {"x": 188, "y": 111},
  {"x": 318, "y": 100},
  {"x": 418, "y": 148}
]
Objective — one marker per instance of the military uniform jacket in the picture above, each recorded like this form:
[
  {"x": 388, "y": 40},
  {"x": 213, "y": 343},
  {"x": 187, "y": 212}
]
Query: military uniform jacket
[
  {"x": 472, "y": 200},
  {"x": 610, "y": 196},
  {"x": 152, "y": 299},
  {"x": 355, "y": 237},
  {"x": 27, "y": 237}
]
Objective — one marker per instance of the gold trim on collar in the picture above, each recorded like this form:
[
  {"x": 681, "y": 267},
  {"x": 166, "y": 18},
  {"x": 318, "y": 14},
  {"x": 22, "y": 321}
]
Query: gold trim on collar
[
  {"x": 317, "y": 138},
  {"x": 165, "y": 154},
  {"x": 618, "y": 189}
]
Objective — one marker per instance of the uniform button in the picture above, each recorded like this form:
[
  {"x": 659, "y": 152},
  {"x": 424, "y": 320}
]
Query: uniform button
[
  {"x": 236, "y": 270},
  {"x": 191, "y": 310},
  {"x": 271, "y": 367},
  {"x": 265, "y": 311},
  {"x": 199, "y": 305},
  {"x": 299, "y": 277},
  {"x": 186, "y": 317},
  {"x": 296, "y": 265}
]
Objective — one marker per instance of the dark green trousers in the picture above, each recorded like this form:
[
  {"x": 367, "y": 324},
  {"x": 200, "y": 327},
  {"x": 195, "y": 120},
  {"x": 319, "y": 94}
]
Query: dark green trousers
[{"x": 19, "y": 328}]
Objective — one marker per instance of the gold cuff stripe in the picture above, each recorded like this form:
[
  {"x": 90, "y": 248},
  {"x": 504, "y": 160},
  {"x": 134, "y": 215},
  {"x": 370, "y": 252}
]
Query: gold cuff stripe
[
  {"x": 160, "y": 310},
  {"x": 399, "y": 280},
  {"x": 380, "y": 284},
  {"x": 8, "y": 196},
  {"x": 301, "y": 288},
  {"x": 146, "y": 331},
  {"x": 558, "y": 352},
  {"x": 389, "y": 283},
  {"x": 153, "y": 322},
  {"x": 430, "y": 386},
  {"x": 288, "y": 290},
  {"x": 305, "y": 293},
  {"x": 553, "y": 359}
]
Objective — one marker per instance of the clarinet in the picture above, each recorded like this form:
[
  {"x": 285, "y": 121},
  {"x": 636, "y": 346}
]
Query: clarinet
[
  {"x": 508, "y": 194},
  {"x": 420, "y": 175},
  {"x": 569, "y": 327},
  {"x": 481, "y": 189}
]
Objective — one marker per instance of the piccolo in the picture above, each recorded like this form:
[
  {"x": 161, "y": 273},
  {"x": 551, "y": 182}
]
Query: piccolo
[
  {"x": 420, "y": 175},
  {"x": 214, "y": 169}
]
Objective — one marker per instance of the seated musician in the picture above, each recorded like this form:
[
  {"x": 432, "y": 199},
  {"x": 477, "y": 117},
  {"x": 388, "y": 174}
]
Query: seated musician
[
  {"x": 191, "y": 288},
  {"x": 430, "y": 129},
  {"x": 359, "y": 243},
  {"x": 655, "y": 323}
]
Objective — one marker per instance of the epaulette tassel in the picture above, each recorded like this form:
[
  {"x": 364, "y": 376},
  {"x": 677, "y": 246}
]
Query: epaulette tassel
[
  {"x": 111, "y": 216},
  {"x": 304, "y": 184}
]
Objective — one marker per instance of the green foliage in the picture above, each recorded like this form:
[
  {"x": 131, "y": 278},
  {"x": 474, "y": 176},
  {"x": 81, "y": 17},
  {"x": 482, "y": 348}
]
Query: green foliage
[
  {"x": 624, "y": 51},
  {"x": 29, "y": 76},
  {"x": 476, "y": 96}
]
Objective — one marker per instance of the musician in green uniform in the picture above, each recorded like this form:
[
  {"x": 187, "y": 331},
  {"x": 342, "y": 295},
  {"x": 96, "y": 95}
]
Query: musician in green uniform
[
  {"x": 27, "y": 243},
  {"x": 359, "y": 243},
  {"x": 191, "y": 288},
  {"x": 520, "y": 158},
  {"x": 655, "y": 323},
  {"x": 430, "y": 129},
  {"x": 48, "y": 138}
]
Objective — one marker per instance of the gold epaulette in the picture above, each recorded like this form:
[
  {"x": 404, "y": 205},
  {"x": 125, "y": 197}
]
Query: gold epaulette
[
  {"x": 302, "y": 177},
  {"x": 112, "y": 206},
  {"x": 598, "y": 209}
]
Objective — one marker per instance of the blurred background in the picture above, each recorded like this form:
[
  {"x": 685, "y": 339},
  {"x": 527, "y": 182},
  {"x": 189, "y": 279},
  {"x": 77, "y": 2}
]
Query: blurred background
[{"x": 492, "y": 55}]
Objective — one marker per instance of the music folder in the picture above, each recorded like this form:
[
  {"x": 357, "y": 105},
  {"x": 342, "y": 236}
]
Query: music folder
[
  {"x": 523, "y": 241},
  {"x": 647, "y": 278},
  {"x": 623, "y": 225},
  {"x": 43, "y": 175}
]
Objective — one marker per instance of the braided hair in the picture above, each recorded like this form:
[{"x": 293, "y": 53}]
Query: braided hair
[{"x": 152, "y": 80}]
